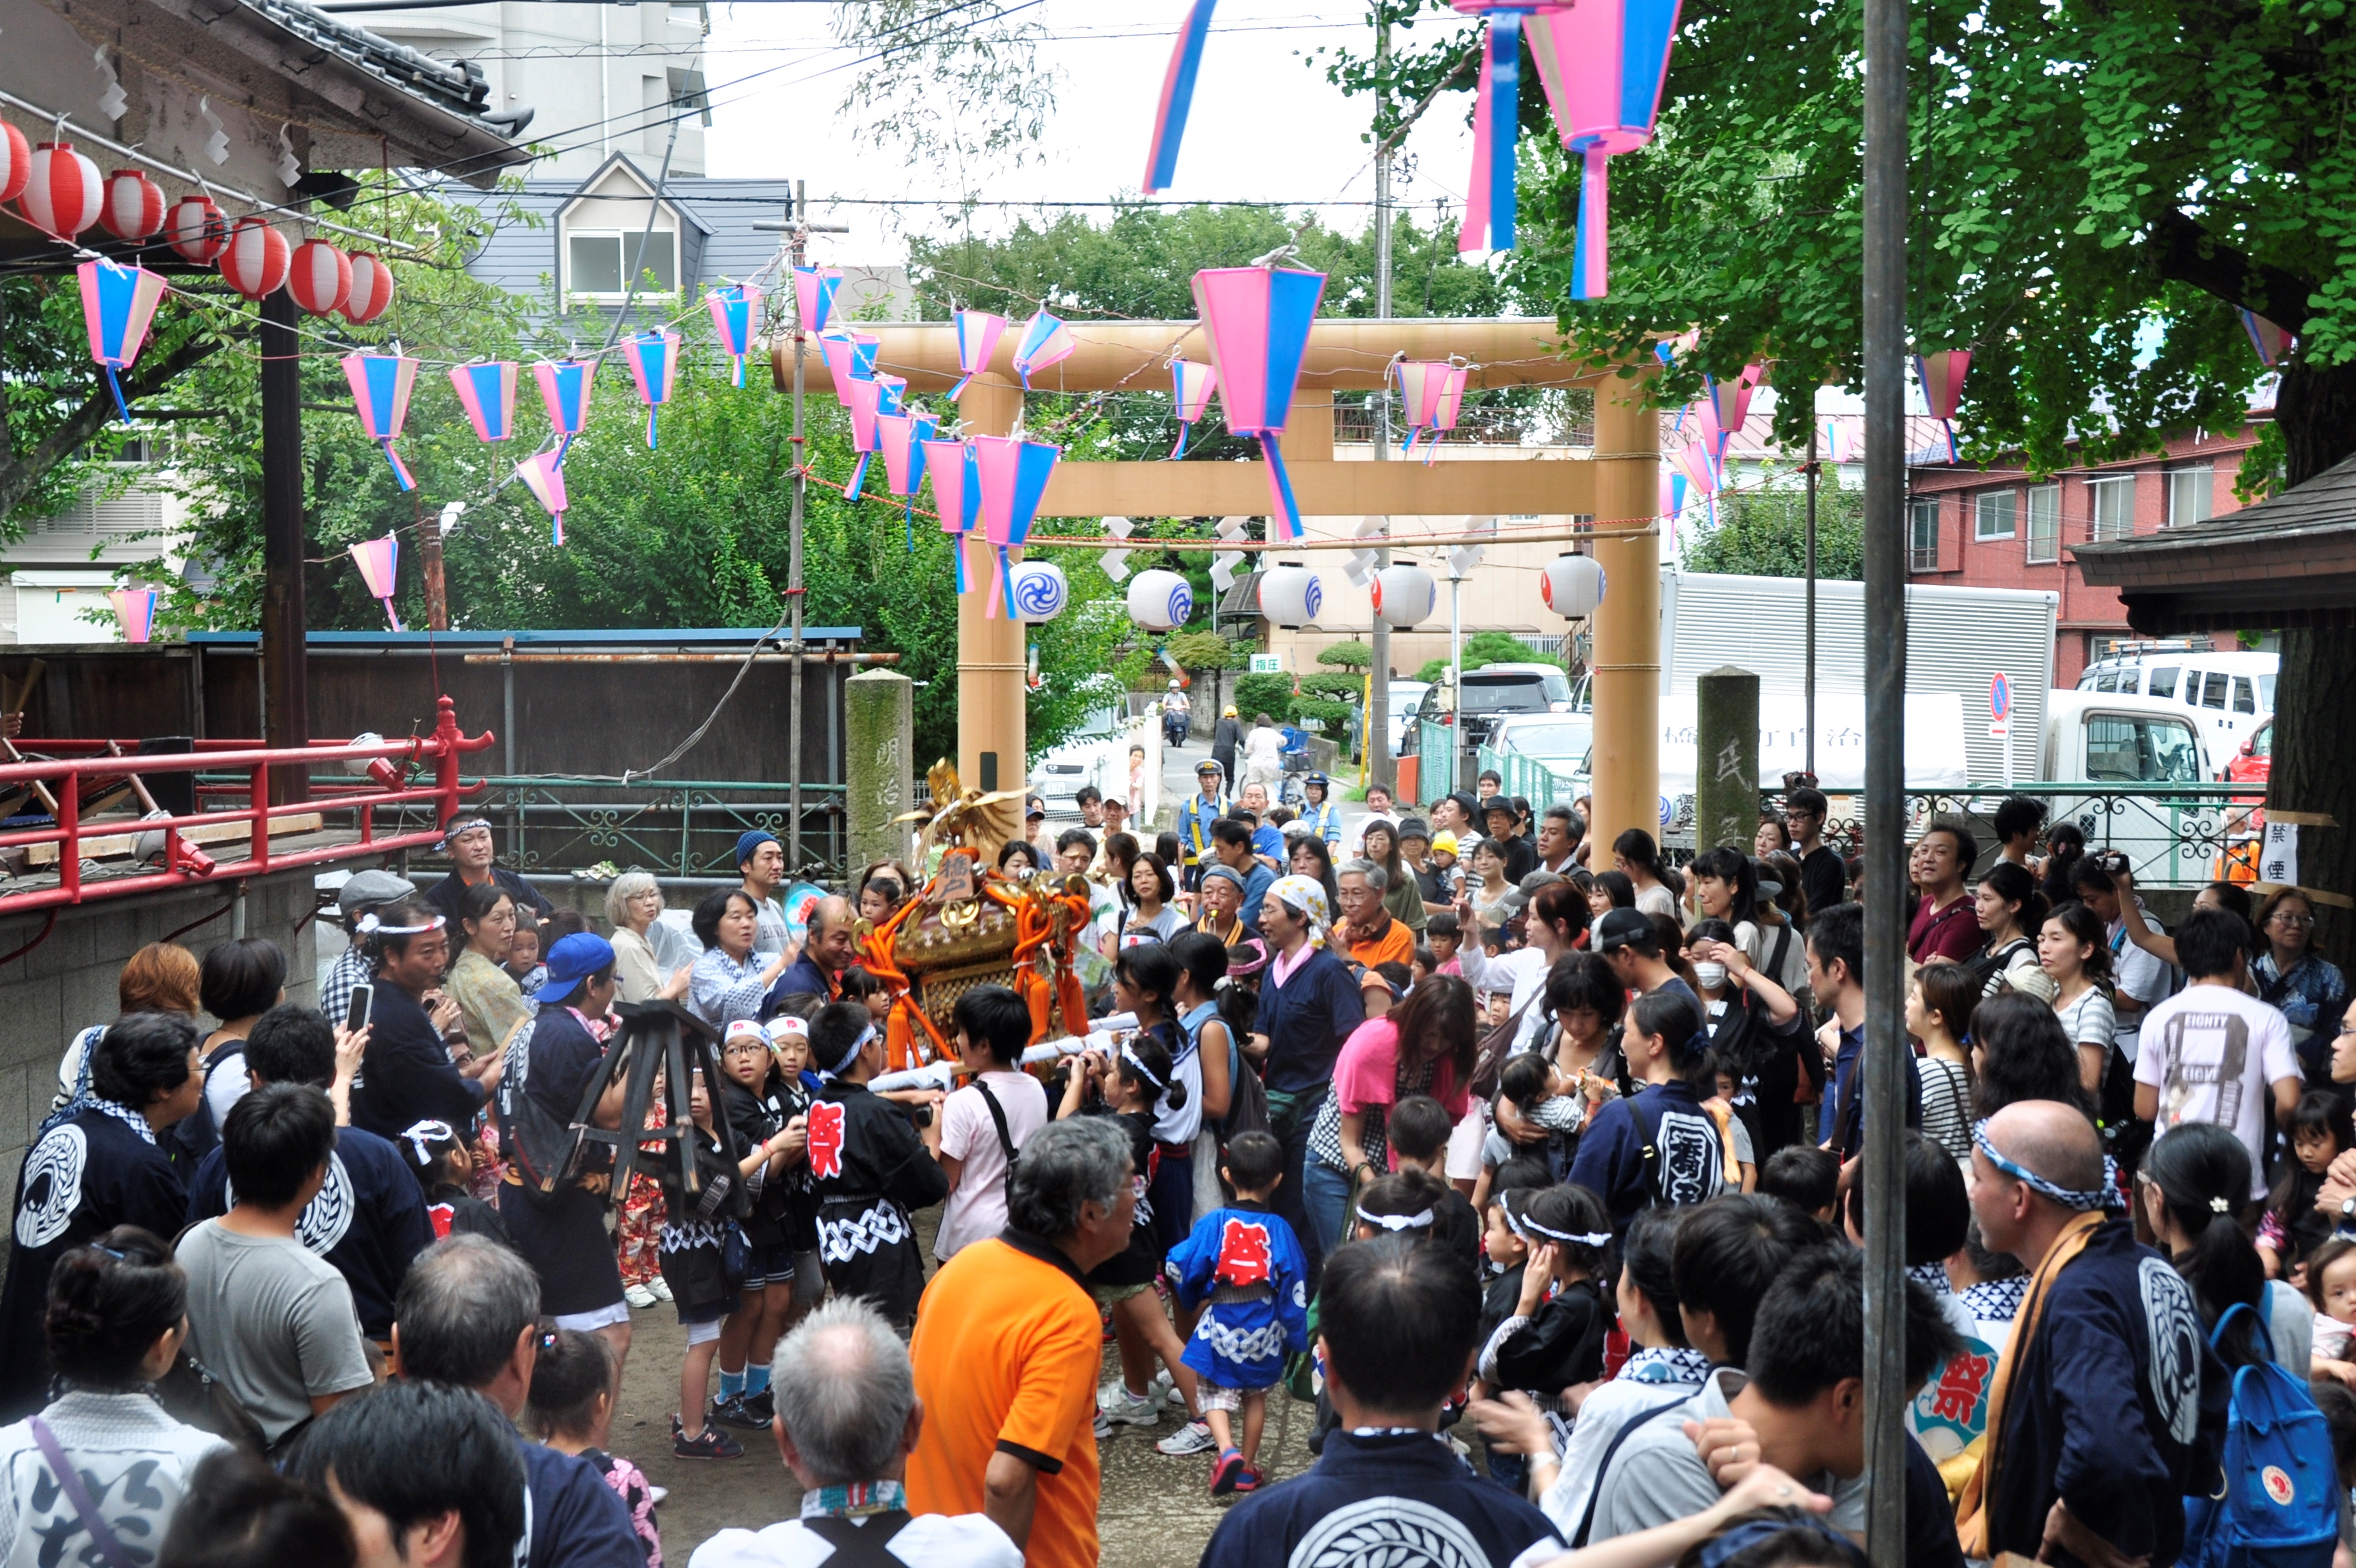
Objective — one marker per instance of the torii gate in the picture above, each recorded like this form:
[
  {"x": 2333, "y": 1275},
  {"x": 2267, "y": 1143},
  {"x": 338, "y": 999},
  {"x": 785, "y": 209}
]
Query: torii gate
[{"x": 1621, "y": 488}]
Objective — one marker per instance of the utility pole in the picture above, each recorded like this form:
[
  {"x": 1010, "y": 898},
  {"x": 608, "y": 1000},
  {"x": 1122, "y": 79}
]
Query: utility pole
[
  {"x": 797, "y": 230},
  {"x": 1811, "y": 764},
  {"x": 1885, "y": 772},
  {"x": 1375, "y": 743}
]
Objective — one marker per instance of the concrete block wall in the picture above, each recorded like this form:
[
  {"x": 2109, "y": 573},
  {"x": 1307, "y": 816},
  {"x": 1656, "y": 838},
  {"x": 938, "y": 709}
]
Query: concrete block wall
[{"x": 67, "y": 981}]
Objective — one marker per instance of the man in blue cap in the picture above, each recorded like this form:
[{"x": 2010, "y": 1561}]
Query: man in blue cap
[
  {"x": 549, "y": 1065},
  {"x": 761, "y": 860}
]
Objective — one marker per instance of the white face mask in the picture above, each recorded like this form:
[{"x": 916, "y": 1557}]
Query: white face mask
[{"x": 1711, "y": 975}]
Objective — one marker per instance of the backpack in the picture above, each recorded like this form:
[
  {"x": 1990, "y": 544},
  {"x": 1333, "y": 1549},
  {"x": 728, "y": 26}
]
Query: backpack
[
  {"x": 2277, "y": 1504},
  {"x": 195, "y": 1135}
]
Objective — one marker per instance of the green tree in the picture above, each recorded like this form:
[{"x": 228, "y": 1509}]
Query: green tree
[
  {"x": 1484, "y": 648},
  {"x": 1764, "y": 533}
]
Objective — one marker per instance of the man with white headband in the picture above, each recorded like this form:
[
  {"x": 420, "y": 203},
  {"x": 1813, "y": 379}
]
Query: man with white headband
[
  {"x": 1309, "y": 1004},
  {"x": 407, "y": 1076},
  {"x": 2109, "y": 1399},
  {"x": 870, "y": 1168},
  {"x": 466, "y": 839}
]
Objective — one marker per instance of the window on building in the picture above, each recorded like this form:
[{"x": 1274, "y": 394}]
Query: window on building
[
  {"x": 2045, "y": 523},
  {"x": 2111, "y": 505},
  {"x": 687, "y": 89},
  {"x": 594, "y": 261},
  {"x": 1993, "y": 516},
  {"x": 2192, "y": 494},
  {"x": 1922, "y": 535}
]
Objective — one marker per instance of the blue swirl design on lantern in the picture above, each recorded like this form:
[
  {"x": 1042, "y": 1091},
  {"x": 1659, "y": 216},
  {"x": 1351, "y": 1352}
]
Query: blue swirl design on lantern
[
  {"x": 1182, "y": 604},
  {"x": 1313, "y": 598},
  {"x": 1040, "y": 592}
]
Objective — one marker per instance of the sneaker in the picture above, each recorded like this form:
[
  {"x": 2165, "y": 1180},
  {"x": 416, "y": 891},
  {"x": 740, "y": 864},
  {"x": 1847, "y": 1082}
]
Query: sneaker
[
  {"x": 1248, "y": 1481},
  {"x": 639, "y": 1297},
  {"x": 1225, "y": 1470},
  {"x": 732, "y": 1411},
  {"x": 659, "y": 1287},
  {"x": 760, "y": 1408},
  {"x": 1127, "y": 1409},
  {"x": 711, "y": 1444},
  {"x": 1194, "y": 1437}
]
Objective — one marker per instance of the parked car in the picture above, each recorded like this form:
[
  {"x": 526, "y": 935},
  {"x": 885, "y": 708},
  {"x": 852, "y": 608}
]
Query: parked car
[
  {"x": 1560, "y": 741},
  {"x": 2100, "y": 738},
  {"x": 1406, "y": 699},
  {"x": 2252, "y": 765},
  {"x": 1496, "y": 691},
  {"x": 1097, "y": 755}
]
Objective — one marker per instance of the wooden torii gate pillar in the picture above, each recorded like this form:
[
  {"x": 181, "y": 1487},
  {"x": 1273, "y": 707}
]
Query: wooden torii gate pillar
[{"x": 1620, "y": 488}]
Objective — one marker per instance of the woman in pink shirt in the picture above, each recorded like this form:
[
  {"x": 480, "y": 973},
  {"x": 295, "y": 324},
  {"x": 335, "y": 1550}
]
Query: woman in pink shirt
[{"x": 1423, "y": 1046}]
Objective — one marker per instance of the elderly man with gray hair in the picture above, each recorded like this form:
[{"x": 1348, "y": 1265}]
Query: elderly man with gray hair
[
  {"x": 1367, "y": 935},
  {"x": 848, "y": 1418},
  {"x": 1007, "y": 1350}
]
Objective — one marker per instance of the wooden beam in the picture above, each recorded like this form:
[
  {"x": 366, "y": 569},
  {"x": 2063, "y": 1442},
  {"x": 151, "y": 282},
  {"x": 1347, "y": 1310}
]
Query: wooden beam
[{"x": 1508, "y": 486}]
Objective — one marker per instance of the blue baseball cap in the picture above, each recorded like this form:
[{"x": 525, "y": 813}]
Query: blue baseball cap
[
  {"x": 750, "y": 843},
  {"x": 573, "y": 960}
]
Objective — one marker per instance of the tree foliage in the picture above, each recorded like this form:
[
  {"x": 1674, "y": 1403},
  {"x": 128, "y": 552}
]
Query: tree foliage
[
  {"x": 1764, "y": 533},
  {"x": 1486, "y": 648}
]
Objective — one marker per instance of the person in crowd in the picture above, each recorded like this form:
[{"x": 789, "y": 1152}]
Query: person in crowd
[
  {"x": 114, "y": 1319},
  {"x": 1311, "y": 857},
  {"x": 869, "y": 1167},
  {"x": 440, "y": 1160},
  {"x": 1267, "y": 838},
  {"x": 1945, "y": 925},
  {"x": 1400, "y": 892},
  {"x": 1755, "y": 1027},
  {"x": 1222, "y": 898},
  {"x": 466, "y": 839},
  {"x": 766, "y": 1114},
  {"x": 1367, "y": 933},
  {"x": 817, "y": 974},
  {"x": 2072, "y": 948},
  {"x": 161, "y": 978},
  {"x": 2292, "y": 976},
  {"x": 2010, "y": 911},
  {"x": 1425, "y": 1045},
  {"x": 1936, "y": 1216},
  {"x": 693, "y": 1255},
  {"x": 1559, "y": 832},
  {"x": 1214, "y": 1012},
  {"x": 523, "y": 964},
  {"x": 1308, "y": 1006},
  {"x": 1381, "y": 806},
  {"x": 272, "y": 1321},
  {"x": 2066, "y": 850},
  {"x": 408, "y": 1075},
  {"x": 1035, "y": 826},
  {"x": 573, "y": 1388},
  {"x": 430, "y": 1476},
  {"x": 1557, "y": 917},
  {"x": 1503, "y": 823},
  {"x": 2320, "y": 1131},
  {"x": 2139, "y": 978},
  {"x": 2020, "y": 1051},
  {"x": 1635, "y": 855},
  {"x": 238, "y": 981},
  {"x": 848, "y": 1418},
  {"x": 2191, "y": 1187},
  {"x": 1554, "y": 1337},
  {"x": 1772, "y": 837},
  {"x": 1149, "y": 909},
  {"x": 1206, "y": 806},
  {"x": 651, "y": 961},
  {"x": 1007, "y": 1348},
  {"x": 1628, "y": 941},
  {"x": 1663, "y": 1145},
  {"x": 732, "y": 976},
  {"x": 1397, "y": 1322},
  {"x": 1320, "y": 810},
  {"x": 369, "y": 1220},
  {"x": 1433, "y": 894},
  {"x": 1938, "y": 1007},
  {"x": 1837, "y": 975},
  {"x": 239, "y": 1513},
  {"x": 468, "y": 1319},
  {"x": 1824, "y": 878},
  {"x": 1239, "y": 1266},
  {"x": 490, "y": 1003},
  {"x": 986, "y": 1122},
  {"x": 761, "y": 862},
  {"x": 92, "y": 1166},
  {"x": 2112, "y": 1399},
  {"x": 1804, "y": 1176},
  {"x": 1582, "y": 1061},
  {"x": 362, "y": 894},
  {"x": 1076, "y": 851},
  {"x": 881, "y": 895},
  {"x": 1021, "y": 858},
  {"x": 1720, "y": 885},
  {"x": 2019, "y": 824},
  {"x": 1231, "y": 845},
  {"x": 1784, "y": 952},
  {"x": 559, "y": 1227},
  {"x": 2212, "y": 1053}
]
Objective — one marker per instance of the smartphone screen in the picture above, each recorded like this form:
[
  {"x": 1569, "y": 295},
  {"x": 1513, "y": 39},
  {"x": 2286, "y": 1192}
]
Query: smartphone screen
[{"x": 356, "y": 1018}]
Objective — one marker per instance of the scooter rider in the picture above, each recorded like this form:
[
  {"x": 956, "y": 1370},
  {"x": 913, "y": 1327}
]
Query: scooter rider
[{"x": 1174, "y": 711}]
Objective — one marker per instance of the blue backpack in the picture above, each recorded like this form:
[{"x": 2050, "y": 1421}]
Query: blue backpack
[{"x": 2277, "y": 1504}]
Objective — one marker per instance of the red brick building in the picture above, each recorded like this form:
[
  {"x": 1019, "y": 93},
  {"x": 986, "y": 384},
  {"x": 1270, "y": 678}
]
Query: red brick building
[{"x": 1996, "y": 527}]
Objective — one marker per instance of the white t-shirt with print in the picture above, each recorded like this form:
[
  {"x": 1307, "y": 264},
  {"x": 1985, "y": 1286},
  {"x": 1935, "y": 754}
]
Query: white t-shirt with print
[{"x": 2213, "y": 1053}]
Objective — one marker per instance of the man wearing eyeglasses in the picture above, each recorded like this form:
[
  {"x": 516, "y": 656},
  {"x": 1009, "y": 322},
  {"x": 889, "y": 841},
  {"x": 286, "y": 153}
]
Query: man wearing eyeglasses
[
  {"x": 1824, "y": 878},
  {"x": 466, "y": 839}
]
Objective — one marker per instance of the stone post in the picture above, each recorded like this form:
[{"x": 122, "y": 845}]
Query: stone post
[
  {"x": 880, "y": 732},
  {"x": 1726, "y": 758}
]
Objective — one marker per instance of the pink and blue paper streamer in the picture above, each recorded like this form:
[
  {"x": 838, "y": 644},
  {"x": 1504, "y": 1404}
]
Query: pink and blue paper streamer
[
  {"x": 977, "y": 334},
  {"x": 1013, "y": 475},
  {"x": 1045, "y": 341},
  {"x": 380, "y": 561},
  {"x": 814, "y": 296},
  {"x": 380, "y": 386},
  {"x": 1602, "y": 63},
  {"x": 1177, "y": 97},
  {"x": 565, "y": 387},
  {"x": 956, "y": 493},
  {"x": 736, "y": 313},
  {"x": 904, "y": 438},
  {"x": 1257, "y": 320},
  {"x": 544, "y": 477},
  {"x": 117, "y": 304}
]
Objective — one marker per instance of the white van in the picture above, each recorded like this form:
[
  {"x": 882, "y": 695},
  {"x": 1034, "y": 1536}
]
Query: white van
[
  {"x": 2104, "y": 738},
  {"x": 2229, "y": 695}
]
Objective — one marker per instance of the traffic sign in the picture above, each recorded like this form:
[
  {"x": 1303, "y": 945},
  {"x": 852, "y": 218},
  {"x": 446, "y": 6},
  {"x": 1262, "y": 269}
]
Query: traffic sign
[
  {"x": 1999, "y": 697},
  {"x": 1268, "y": 664}
]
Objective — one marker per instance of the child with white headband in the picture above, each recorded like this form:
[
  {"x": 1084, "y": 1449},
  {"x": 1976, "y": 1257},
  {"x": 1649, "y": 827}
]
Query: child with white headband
[
  {"x": 1554, "y": 1340},
  {"x": 870, "y": 1168}
]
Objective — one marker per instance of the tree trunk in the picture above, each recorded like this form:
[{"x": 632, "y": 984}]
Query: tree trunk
[{"x": 2313, "y": 768}]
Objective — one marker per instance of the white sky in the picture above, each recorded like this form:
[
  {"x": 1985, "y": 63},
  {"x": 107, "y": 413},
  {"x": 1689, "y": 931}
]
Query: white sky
[{"x": 1266, "y": 125}]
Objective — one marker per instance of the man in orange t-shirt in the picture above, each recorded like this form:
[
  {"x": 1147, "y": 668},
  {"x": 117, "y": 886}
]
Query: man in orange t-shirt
[
  {"x": 1367, "y": 935},
  {"x": 1008, "y": 1346}
]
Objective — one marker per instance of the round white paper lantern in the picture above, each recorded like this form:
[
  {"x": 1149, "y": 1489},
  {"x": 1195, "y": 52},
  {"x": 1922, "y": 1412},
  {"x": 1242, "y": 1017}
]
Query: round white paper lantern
[
  {"x": 1572, "y": 586},
  {"x": 1040, "y": 590},
  {"x": 1291, "y": 595},
  {"x": 1159, "y": 601},
  {"x": 1404, "y": 595}
]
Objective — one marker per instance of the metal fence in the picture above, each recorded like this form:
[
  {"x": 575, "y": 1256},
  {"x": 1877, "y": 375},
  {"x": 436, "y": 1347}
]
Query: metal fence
[
  {"x": 1529, "y": 778},
  {"x": 1435, "y": 746}
]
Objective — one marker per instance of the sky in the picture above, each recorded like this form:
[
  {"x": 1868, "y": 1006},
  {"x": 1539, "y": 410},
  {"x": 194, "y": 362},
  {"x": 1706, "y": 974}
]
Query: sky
[{"x": 1266, "y": 125}]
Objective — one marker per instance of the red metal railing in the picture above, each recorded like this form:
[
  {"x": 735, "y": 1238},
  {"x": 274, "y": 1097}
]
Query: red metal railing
[{"x": 184, "y": 863}]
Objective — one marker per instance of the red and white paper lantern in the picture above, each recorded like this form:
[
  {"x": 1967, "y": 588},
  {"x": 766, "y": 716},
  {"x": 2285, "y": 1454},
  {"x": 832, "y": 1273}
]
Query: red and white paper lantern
[
  {"x": 196, "y": 230},
  {"x": 370, "y": 290},
  {"x": 320, "y": 277},
  {"x": 134, "y": 206},
  {"x": 256, "y": 258},
  {"x": 63, "y": 196},
  {"x": 16, "y": 162}
]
